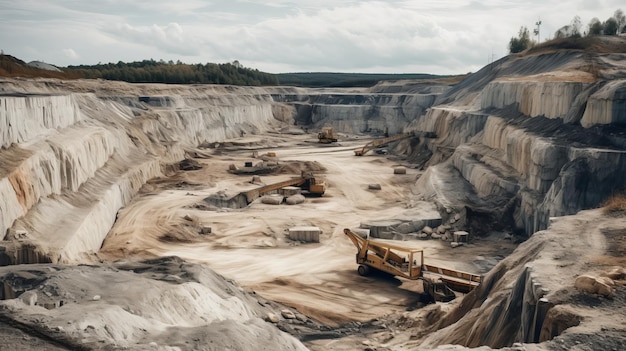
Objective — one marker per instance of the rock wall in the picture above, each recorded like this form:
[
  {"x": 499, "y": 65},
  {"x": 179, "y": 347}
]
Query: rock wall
[
  {"x": 529, "y": 297},
  {"x": 529, "y": 148},
  {"x": 358, "y": 112},
  {"x": 163, "y": 304},
  {"x": 607, "y": 105},
  {"x": 71, "y": 159},
  {"x": 533, "y": 98}
]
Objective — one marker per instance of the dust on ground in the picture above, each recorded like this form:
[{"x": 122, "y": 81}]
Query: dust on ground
[{"x": 251, "y": 246}]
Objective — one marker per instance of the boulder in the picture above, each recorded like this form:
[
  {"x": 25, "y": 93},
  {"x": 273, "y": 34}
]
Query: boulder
[
  {"x": 273, "y": 199},
  {"x": 271, "y": 317},
  {"x": 301, "y": 317},
  {"x": 428, "y": 230},
  {"x": 29, "y": 298},
  {"x": 287, "y": 314},
  {"x": 374, "y": 186},
  {"x": 399, "y": 170},
  {"x": 618, "y": 273},
  {"x": 404, "y": 228},
  {"x": 592, "y": 285},
  {"x": 295, "y": 199}
]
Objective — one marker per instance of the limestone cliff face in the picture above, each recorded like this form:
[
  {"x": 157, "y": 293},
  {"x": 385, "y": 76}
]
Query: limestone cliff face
[
  {"x": 534, "y": 137},
  {"x": 524, "y": 139},
  {"x": 70, "y": 160},
  {"x": 357, "y": 112},
  {"x": 529, "y": 297}
]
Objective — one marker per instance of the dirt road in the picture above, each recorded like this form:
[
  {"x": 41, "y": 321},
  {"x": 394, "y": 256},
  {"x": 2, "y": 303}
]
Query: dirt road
[{"x": 250, "y": 245}]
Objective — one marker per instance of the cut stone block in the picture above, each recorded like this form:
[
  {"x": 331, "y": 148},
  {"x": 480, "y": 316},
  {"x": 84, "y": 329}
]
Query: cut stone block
[
  {"x": 273, "y": 199},
  {"x": 295, "y": 199},
  {"x": 461, "y": 236},
  {"x": 306, "y": 234},
  {"x": 290, "y": 190}
]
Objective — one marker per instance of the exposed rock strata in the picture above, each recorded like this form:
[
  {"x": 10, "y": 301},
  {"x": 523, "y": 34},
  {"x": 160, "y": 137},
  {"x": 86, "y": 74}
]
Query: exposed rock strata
[
  {"x": 159, "y": 304},
  {"x": 71, "y": 160},
  {"x": 529, "y": 147},
  {"x": 529, "y": 297}
]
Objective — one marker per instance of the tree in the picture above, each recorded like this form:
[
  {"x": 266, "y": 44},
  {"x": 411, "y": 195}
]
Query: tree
[
  {"x": 610, "y": 26},
  {"x": 620, "y": 18},
  {"x": 575, "y": 27},
  {"x": 595, "y": 27},
  {"x": 563, "y": 32},
  {"x": 521, "y": 43}
]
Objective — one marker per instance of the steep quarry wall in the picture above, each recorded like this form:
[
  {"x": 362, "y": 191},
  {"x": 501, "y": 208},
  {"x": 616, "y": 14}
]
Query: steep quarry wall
[
  {"x": 607, "y": 105},
  {"x": 74, "y": 153},
  {"x": 533, "y": 98},
  {"x": 529, "y": 297},
  {"x": 355, "y": 113},
  {"x": 71, "y": 160},
  {"x": 528, "y": 147}
]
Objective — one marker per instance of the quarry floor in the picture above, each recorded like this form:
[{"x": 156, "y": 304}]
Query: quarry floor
[{"x": 251, "y": 246}]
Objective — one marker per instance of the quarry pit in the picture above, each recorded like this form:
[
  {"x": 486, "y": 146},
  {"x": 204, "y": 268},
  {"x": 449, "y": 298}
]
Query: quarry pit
[{"x": 109, "y": 242}]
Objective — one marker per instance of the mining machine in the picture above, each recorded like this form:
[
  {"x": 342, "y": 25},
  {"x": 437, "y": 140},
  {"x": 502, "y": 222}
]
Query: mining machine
[
  {"x": 310, "y": 186},
  {"x": 327, "y": 136},
  {"x": 383, "y": 141},
  {"x": 408, "y": 263}
]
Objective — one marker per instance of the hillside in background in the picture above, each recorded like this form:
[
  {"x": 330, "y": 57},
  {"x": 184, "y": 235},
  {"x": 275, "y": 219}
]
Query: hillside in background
[
  {"x": 14, "y": 67},
  {"x": 151, "y": 71},
  {"x": 338, "y": 80}
]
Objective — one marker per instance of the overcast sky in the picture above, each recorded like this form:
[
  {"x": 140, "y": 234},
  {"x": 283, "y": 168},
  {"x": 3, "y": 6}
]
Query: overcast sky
[{"x": 387, "y": 36}]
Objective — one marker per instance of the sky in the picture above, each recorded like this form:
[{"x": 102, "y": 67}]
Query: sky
[{"x": 279, "y": 36}]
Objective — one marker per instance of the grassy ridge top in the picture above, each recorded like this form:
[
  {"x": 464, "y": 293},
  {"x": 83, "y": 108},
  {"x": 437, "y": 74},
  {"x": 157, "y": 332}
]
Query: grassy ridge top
[
  {"x": 327, "y": 79},
  {"x": 151, "y": 71}
]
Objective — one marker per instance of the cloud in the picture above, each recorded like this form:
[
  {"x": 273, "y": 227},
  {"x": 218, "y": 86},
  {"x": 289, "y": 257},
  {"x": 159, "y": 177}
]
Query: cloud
[
  {"x": 70, "y": 53},
  {"x": 170, "y": 38},
  {"x": 443, "y": 36}
]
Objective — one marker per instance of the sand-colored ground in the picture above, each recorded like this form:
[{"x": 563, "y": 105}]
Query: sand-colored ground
[{"x": 250, "y": 245}]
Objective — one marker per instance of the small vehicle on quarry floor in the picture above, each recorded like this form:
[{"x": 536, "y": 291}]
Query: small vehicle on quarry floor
[
  {"x": 327, "y": 136},
  {"x": 384, "y": 141},
  {"x": 438, "y": 282}
]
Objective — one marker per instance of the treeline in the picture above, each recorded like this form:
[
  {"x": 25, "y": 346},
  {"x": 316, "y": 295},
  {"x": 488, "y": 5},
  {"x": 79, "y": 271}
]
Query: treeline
[
  {"x": 339, "y": 80},
  {"x": 151, "y": 71},
  {"x": 614, "y": 25}
]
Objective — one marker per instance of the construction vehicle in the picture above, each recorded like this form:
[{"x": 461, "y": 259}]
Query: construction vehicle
[
  {"x": 380, "y": 142},
  {"x": 309, "y": 184},
  {"x": 438, "y": 282},
  {"x": 327, "y": 136}
]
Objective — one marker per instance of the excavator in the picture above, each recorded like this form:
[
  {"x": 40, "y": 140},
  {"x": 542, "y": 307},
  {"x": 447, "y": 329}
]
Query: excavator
[
  {"x": 439, "y": 283},
  {"x": 307, "y": 181},
  {"x": 380, "y": 142},
  {"x": 327, "y": 136}
]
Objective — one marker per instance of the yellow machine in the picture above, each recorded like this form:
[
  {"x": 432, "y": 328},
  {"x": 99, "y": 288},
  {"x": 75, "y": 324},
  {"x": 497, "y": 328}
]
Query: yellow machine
[
  {"x": 409, "y": 264},
  {"x": 380, "y": 142},
  {"x": 327, "y": 136},
  {"x": 309, "y": 184}
]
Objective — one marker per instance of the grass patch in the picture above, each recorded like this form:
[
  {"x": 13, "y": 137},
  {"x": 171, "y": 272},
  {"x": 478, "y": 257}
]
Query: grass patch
[{"x": 615, "y": 205}]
